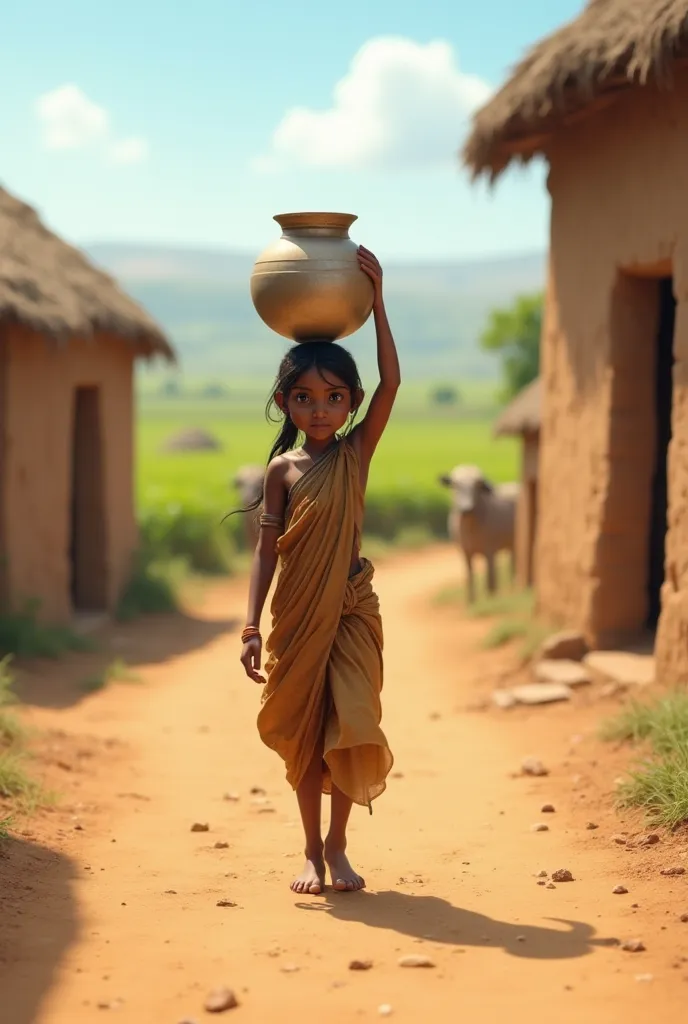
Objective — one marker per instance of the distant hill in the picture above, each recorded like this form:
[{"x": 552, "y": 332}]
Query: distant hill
[{"x": 201, "y": 297}]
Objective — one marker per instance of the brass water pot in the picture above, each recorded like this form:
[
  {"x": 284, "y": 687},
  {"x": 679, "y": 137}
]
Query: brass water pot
[{"x": 308, "y": 285}]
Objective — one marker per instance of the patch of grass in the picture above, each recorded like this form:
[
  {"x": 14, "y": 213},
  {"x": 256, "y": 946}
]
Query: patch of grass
[
  {"x": 664, "y": 723},
  {"x": 503, "y": 632},
  {"x": 12, "y": 731},
  {"x": 22, "y": 634},
  {"x": 153, "y": 587},
  {"x": 116, "y": 671},
  {"x": 659, "y": 784},
  {"x": 16, "y": 783},
  {"x": 5, "y": 825}
]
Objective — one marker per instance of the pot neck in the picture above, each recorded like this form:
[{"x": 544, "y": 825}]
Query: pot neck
[{"x": 316, "y": 225}]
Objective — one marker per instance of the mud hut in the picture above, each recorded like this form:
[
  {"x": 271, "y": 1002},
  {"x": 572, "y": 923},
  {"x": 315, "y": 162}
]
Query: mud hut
[
  {"x": 605, "y": 101},
  {"x": 521, "y": 418},
  {"x": 68, "y": 341}
]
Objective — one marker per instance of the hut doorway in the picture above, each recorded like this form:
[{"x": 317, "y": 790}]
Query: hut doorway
[
  {"x": 88, "y": 540},
  {"x": 663, "y": 394}
]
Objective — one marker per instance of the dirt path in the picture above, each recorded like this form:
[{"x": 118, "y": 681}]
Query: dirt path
[{"x": 122, "y": 911}]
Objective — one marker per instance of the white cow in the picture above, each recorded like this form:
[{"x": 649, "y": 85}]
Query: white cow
[
  {"x": 248, "y": 480},
  {"x": 481, "y": 520}
]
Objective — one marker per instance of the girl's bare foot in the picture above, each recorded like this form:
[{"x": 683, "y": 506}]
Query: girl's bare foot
[
  {"x": 312, "y": 878},
  {"x": 344, "y": 878}
]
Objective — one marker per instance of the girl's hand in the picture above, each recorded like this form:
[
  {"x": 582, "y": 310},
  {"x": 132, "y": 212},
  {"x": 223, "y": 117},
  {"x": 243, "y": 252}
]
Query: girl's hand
[
  {"x": 370, "y": 265},
  {"x": 250, "y": 659}
]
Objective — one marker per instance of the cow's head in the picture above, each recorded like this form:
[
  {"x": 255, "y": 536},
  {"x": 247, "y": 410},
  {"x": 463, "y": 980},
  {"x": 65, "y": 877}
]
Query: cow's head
[{"x": 468, "y": 486}]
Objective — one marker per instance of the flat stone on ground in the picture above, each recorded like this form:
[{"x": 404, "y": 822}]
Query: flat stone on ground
[
  {"x": 622, "y": 667},
  {"x": 571, "y": 673},
  {"x": 567, "y": 644},
  {"x": 541, "y": 693}
]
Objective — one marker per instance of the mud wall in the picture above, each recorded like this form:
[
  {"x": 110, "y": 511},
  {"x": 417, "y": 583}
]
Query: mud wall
[
  {"x": 619, "y": 216},
  {"x": 41, "y": 378},
  {"x": 526, "y": 510}
]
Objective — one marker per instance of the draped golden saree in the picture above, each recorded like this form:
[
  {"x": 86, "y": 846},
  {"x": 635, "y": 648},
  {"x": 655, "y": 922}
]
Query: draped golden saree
[{"x": 324, "y": 666}]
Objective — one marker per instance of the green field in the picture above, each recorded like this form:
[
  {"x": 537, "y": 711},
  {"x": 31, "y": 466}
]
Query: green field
[
  {"x": 188, "y": 493},
  {"x": 417, "y": 447}
]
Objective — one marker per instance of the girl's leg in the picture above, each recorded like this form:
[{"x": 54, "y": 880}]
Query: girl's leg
[
  {"x": 344, "y": 878},
  {"x": 309, "y": 794}
]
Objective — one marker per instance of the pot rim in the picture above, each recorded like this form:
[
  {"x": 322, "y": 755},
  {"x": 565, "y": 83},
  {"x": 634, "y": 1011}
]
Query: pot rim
[{"x": 291, "y": 221}]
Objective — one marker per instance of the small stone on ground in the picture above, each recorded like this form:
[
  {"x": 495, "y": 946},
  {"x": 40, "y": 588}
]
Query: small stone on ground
[
  {"x": 415, "y": 960},
  {"x": 539, "y": 827},
  {"x": 547, "y": 809},
  {"x": 219, "y": 1000},
  {"x": 199, "y": 826},
  {"x": 566, "y": 645},
  {"x": 562, "y": 875},
  {"x": 533, "y": 766},
  {"x": 620, "y": 890},
  {"x": 671, "y": 872},
  {"x": 570, "y": 673},
  {"x": 633, "y": 946},
  {"x": 360, "y": 965}
]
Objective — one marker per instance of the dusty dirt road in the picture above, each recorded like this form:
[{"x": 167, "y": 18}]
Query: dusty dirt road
[{"x": 110, "y": 906}]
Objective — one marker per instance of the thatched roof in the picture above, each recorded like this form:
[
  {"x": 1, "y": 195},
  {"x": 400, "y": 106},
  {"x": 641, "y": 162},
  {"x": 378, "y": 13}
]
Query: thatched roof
[
  {"x": 610, "y": 46},
  {"x": 522, "y": 415},
  {"x": 52, "y": 288}
]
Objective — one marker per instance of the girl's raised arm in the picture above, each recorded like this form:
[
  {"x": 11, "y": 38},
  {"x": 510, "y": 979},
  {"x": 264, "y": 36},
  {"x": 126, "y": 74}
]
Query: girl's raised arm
[{"x": 372, "y": 428}]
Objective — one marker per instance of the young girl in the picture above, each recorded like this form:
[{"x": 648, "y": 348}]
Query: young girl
[{"x": 321, "y": 703}]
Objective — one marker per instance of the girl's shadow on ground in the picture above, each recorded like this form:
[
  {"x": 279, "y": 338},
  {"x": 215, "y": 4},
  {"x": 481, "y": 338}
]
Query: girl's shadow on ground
[{"x": 434, "y": 919}]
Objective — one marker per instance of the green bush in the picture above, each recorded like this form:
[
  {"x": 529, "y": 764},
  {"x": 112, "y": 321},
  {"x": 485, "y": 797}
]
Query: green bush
[
  {"x": 153, "y": 587},
  {"x": 197, "y": 535},
  {"x": 22, "y": 634},
  {"x": 388, "y": 515}
]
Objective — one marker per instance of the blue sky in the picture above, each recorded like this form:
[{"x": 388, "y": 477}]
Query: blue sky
[{"x": 193, "y": 123}]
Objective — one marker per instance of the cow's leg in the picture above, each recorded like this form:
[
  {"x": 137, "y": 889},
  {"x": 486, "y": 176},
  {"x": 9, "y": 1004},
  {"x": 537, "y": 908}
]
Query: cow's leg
[
  {"x": 491, "y": 573},
  {"x": 470, "y": 579}
]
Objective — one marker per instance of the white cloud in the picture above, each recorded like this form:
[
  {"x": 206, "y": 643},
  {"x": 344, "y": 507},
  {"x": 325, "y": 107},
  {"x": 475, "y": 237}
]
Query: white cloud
[
  {"x": 401, "y": 104},
  {"x": 128, "y": 151},
  {"x": 70, "y": 120}
]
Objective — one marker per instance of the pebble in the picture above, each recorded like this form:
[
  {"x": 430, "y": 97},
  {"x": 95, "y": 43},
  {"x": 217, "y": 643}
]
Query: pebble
[
  {"x": 621, "y": 840},
  {"x": 539, "y": 827},
  {"x": 257, "y": 791},
  {"x": 541, "y": 881},
  {"x": 648, "y": 840},
  {"x": 551, "y": 886},
  {"x": 385, "y": 1010},
  {"x": 226, "y": 903},
  {"x": 547, "y": 809},
  {"x": 220, "y": 845},
  {"x": 542, "y": 874},
  {"x": 532, "y": 766},
  {"x": 199, "y": 826},
  {"x": 672, "y": 872},
  {"x": 644, "y": 977},
  {"x": 633, "y": 946},
  {"x": 231, "y": 797},
  {"x": 219, "y": 1000},
  {"x": 591, "y": 826},
  {"x": 684, "y": 918},
  {"x": 562, "y": 875},
  {"x": 620, "y": 890},
  {"x": 415, "y": 960},
  {"x": 188, "y": 1020},
  {"x": 289, "y": 968},
  {"x": 360, "y": 965}
]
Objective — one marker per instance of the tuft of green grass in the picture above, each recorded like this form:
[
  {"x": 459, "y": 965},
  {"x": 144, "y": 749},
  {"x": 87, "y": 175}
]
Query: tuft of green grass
[
  {"x": 17, "y": 784},
  {"x": 116, "y": 671},
  {"x": 659, "y": 784},
  {"x": 664, "y": 723},
  {"x": 503, "y": 632},
  {"x": 21, "y": 633},
  {"x": 661, "y": 788},
  {"x": 5, "y": 825},
  {"x": 12, "y": 732}
]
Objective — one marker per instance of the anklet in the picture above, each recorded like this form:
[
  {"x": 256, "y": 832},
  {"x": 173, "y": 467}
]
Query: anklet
[{"x": 250, "y": 633}]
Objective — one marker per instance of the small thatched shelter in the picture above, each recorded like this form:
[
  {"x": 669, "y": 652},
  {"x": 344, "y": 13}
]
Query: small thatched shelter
[
  {"x": 605, "y": 101},
  {"x": 68, "y": 341},
  {"x": 521, "y": 418}
]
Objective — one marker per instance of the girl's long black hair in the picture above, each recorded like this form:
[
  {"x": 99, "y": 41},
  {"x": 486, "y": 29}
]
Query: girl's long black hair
[{"x": 330, "y": 360}]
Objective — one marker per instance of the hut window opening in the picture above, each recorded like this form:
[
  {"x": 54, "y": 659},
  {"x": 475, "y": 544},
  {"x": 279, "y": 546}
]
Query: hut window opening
[
  {"x": 88, "y": 535},
  {"x": 663, "y": 393}
]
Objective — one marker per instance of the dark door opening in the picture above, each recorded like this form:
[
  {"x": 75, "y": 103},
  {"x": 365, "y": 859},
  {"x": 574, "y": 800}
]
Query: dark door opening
[
  {"x": 664, "y": 362},
  {"x": 87, "y": 545}
]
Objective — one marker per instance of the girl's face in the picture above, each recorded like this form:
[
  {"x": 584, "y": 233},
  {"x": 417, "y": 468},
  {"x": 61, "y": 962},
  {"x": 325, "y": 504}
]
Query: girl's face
[{"x": 318, "y": 406}]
